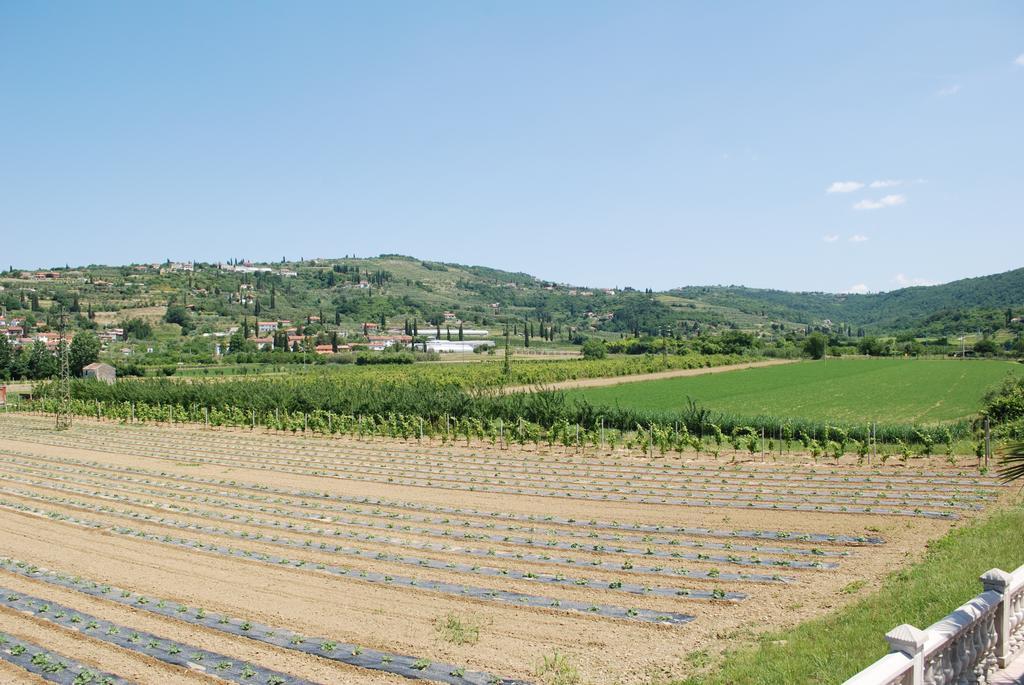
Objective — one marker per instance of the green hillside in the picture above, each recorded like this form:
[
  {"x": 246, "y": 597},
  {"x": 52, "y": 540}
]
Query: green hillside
[
  {"x": 185, "y": 314},
  {"x": 965, "y": 305}
]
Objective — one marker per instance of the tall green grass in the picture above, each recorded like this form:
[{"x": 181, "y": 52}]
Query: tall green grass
[{"x": 834, "y": 648}]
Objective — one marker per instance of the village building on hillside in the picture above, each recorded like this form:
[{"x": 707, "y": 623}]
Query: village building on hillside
[
  {"x": 101, "y": 372},
  {"x": 264, "y": 327}
]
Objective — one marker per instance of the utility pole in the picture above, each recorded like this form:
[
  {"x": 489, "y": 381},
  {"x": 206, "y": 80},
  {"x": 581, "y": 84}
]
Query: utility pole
[
  {"x": 64, "y": 377},
  {"x": 507, "y": 368}
]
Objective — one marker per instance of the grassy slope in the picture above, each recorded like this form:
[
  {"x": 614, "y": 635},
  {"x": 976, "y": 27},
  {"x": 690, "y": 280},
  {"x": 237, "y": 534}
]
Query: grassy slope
[
  {"x": 842, "y": 390},
  {"x": 831, "y": 649}
]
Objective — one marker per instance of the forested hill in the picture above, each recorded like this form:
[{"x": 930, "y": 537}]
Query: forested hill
[
  {"x": 967, "y": 304},
  {"x": 397, "y": 289}
]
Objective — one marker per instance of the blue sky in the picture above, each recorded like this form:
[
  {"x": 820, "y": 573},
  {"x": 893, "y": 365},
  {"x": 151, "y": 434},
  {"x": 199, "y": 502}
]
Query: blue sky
[{"x": 646, "y": 144}]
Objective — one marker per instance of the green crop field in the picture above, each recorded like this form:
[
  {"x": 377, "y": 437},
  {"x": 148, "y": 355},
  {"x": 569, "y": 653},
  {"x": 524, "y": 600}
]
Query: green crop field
[{"x": 849, "y": 390}]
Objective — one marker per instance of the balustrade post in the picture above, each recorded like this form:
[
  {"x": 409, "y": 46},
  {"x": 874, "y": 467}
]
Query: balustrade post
[
  {"x": 909, "y": 640},
  {"x": 999, "y": 581}
]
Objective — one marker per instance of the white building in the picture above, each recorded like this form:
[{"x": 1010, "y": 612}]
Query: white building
[{"x": 457, "y": 345}]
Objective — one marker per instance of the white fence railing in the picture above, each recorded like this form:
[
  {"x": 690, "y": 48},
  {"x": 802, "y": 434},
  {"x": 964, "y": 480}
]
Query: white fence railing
[{"x": 963, "y": 648}]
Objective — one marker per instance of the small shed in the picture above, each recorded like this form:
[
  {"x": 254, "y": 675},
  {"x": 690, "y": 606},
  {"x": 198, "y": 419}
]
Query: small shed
[{"x": 100, "y": 371}]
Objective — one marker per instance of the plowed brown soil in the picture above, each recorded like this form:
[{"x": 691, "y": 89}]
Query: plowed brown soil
[{"x": 512, "y": 639}]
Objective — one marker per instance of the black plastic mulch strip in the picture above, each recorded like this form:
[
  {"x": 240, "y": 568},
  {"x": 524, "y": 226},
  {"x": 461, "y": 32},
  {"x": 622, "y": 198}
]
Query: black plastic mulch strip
[
  {"x": 568, "y": 489},
  {"x": 484, "y": 594},
  {"x": 172, "y": 491},
  {"x": 403, "y": 470},
  {"x": 448, "y": 548},
  {"x": 511, "y": 540},
  {"x": 161, "y": 648},
  {"x": 653, "y": 469},
  {"x": 606, "y": 525},
  {"x": 781, "y": 503},
  {"x": 343, "y": 652},
  {"x": 665, "y": 466},
  {"x": 419, "y": 562},
  {"x": 55, "y": 668}
]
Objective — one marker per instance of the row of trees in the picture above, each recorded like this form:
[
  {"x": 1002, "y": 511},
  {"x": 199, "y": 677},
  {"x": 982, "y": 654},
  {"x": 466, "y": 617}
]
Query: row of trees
[{"x": 36, "y": 362}]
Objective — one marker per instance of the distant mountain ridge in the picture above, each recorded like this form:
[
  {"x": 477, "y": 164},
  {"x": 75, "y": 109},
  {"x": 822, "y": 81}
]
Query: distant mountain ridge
[{"x": 930, "y": 307}]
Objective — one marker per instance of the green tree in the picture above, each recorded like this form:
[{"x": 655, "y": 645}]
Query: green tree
[
  {"x": 238, "y": 343},
  {"x": 84, "y": 350},
  {"x": 40, "y": 363},
  {"x": 985, "y": 347},
  {"x": 594, "y": 348},
  {"x": 180, "y": 315},
  {"x": 6, "y": 358},
  {"x": 871, "y": 346},
  {"x": 137, "y": 328},
  {"x": 815, "y": 346}
]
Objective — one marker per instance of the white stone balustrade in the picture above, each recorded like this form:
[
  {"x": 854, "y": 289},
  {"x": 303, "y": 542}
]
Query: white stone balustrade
[{"x": 964, "y": 648}]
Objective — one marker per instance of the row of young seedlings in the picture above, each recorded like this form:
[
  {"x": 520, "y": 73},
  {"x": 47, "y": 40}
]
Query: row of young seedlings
[
  {"x": 51, "y": 666},
  {"x": 317, "y": 512},
  {"x": 412, "y": 667},
  {"x": 723, "y": 488},
  {"x": 419, "y": 562},
  {"x": 268, "y": 492},
  {"x": 784, "y": 503},
  {"x": 542, "y": 558},
  {"x": 719, "y": 491},
  {"x": 361, "y": 453},
  {"x": 456, "y": 589},
  {"x": 720, "y": 485},
  {"x": 164, "y": 649},
  {"x": 654, "y": 437},
  {"x": 918, "y": 477}
]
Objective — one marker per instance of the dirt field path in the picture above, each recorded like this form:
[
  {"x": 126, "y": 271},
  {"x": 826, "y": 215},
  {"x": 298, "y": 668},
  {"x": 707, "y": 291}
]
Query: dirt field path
[{"x": 657, "y": 375}]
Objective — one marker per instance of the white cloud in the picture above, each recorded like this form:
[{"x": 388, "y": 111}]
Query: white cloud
[
  {"x": 844, "y": 187},
  {"x": 887, "y": 201},
  {"x": 859, "y": 289},
  {"x": 886, "y": 183},
  {"x": 1020, "y": 60},
  {"x": 858, "y": 238},
  {"x": 830, "y": 238},
  {"x": 949, "y": 90},
  {"x": 905, "y": 281}
]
